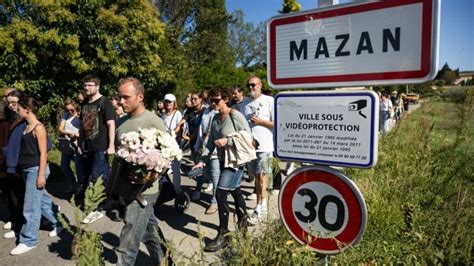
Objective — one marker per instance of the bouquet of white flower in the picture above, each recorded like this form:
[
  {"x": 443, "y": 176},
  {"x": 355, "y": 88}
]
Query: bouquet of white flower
[{"x": 149, "y": 151}]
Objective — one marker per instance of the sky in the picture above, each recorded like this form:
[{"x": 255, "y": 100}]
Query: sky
[{"x": 456, "y": 43}]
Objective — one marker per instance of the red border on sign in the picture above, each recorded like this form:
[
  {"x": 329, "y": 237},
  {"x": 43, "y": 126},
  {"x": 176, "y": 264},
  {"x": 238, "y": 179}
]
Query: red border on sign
[
  {"x": 354, "y": 221},
  {"x": 425, "y": 46}
]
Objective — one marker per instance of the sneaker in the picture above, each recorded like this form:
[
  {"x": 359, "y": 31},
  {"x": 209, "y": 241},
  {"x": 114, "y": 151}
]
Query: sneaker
[
  {"x": 209, "y": 188},
  {"x": 92, "y": 217},
  {"x": 9, "y": 234},
  {"x": 7, "y": 226},
  {"x": 212, "y": 209},
  {"x": 20, "y": 249},
  {"x": 255, "y": 218},
  {"x": 56, "y": 231},
  {"x": 252, "y": 196},
  {"x": 196, "y": 196}
]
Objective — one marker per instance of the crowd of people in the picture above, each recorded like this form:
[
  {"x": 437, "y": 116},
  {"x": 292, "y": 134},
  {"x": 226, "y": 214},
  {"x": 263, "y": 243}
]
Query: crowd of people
[
  {"x": 392, "y": 106},
  {"x": 228, "y": 135}
]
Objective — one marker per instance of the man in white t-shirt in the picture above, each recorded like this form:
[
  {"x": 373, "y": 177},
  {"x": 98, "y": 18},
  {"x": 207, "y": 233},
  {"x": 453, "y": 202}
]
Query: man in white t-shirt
[{"x": 259, "y": 113}]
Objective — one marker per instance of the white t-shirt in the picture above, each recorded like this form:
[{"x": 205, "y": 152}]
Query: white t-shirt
[
  {"x": 386, "y": 105},
  {"x": 262, "y": 107},
  {"x": 171, "y": 121}
]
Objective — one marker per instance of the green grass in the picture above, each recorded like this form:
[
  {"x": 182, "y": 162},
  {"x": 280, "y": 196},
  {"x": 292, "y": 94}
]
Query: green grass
[{"x": 419, "y": 198}]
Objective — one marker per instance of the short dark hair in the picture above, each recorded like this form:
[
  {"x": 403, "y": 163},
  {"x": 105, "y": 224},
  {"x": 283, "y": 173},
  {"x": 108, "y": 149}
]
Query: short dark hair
[
  {"x": 223, "y": 92},
  {"x": 14, "y": 93},
  {"x": 198, "y": 93},
  {"x": 91, "y": 78},
  {"x": 137, "y": 84},
  {"x": 115, "y": 97},
  {"x": 238, "y": 88},
  {"x": 29, "y": 103}
]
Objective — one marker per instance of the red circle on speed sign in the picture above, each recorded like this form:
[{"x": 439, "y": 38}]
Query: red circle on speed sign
[{"x": 323, "y": 208}]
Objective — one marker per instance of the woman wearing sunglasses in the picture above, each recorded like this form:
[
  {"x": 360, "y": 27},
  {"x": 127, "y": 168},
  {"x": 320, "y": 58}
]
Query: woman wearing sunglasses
[
  {"x": 224, "y": 124},
  {"x": 68, "y": 135}
]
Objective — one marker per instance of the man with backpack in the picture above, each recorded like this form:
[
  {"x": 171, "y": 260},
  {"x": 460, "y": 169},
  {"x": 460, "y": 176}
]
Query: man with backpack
[{"x": 97, "y": 136}]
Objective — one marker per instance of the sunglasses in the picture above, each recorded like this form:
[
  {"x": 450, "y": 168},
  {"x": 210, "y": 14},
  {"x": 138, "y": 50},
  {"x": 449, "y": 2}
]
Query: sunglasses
[
  {"x": 252, "y": 85},
  {"x": 216, "y": 100}
]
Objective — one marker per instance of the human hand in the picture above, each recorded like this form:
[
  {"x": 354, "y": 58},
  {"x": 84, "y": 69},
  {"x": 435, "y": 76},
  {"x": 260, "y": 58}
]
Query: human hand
[
  {"x": 221, "y": 142},
  {"x": 198, "y": 165},
  {"x": 40, "y": 182},
  {"x": 256, "y": 120},
  {"x": 111, "y": 150}
]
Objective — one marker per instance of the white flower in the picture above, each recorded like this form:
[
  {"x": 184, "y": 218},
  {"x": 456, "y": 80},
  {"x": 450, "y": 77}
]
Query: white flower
[{"x": 149, "y": 148}]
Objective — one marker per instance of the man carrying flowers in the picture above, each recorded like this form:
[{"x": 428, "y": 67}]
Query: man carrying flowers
[{"x": 143, "y": 156}]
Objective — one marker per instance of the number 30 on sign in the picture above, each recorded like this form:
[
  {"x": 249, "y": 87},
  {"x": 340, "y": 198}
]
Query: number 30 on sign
[{"x": 321, "y": 207}]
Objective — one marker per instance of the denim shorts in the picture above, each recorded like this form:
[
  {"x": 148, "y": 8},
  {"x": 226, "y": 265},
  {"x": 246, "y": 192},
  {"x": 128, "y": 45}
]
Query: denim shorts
[
  {"x": 230, "y": 178},
  {"x": 261, "y": 165}
]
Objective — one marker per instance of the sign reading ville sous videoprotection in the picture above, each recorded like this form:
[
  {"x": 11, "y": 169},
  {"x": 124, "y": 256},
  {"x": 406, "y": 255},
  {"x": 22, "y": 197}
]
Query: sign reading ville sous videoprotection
[
  {"x": 371, "y": 43},
  {"x": 327, "y": 127}
]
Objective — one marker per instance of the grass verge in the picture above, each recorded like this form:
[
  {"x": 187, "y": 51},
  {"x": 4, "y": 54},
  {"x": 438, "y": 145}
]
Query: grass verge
[{"x": 419, "y": 198}]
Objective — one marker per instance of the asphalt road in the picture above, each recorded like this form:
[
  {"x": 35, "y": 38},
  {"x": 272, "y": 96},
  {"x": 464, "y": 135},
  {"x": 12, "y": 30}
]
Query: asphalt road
[{"x": 182, "y": 230}]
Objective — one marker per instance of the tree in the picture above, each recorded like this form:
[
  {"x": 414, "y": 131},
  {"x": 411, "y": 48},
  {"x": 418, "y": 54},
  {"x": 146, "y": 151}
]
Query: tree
[
  {"x": 290, "y": 6},
  {"x": 247, "y": 41},
  {"x": 46, "y": 47},
  {"x": 197, "y": 30},
  {"x": 448, "y": 75}
]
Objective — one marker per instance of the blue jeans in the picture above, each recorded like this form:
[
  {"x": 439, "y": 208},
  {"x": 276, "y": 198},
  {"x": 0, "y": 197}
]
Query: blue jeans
[
  {"x": 384, "y": 121},
  {"x": 100, "y": 165},
  {"x": 212, "y": 172},
  {"x": 140, "y": 226},
  {"x": 37, "y": 203},
  {"x": 66, "y": 167}
]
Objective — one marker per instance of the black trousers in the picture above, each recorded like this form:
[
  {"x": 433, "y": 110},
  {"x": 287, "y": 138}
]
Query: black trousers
[
  {"x": 223, "y": 207},
  {"x": 15, "y": 198}
]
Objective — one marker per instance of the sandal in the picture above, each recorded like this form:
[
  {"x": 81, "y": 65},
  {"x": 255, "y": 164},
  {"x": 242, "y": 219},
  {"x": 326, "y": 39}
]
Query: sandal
[{"x": 212, "y": 209}]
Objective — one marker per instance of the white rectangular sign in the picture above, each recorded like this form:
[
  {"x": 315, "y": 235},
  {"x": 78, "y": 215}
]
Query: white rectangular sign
[
  {"x": 371, "y": 43},
  {"x": 327, "y": 127}
]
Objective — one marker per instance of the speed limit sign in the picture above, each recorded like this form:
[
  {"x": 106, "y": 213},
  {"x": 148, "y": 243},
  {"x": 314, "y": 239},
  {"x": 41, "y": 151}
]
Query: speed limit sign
[{"x": 321, "y": 207}]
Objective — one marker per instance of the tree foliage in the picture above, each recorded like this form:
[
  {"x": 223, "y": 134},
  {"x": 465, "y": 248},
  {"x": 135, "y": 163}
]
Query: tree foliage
[
  {"x": 290, "y": 6},
  {"x": 197, "y": 32},
  {"x": 447, "y": 74},
  {"x": 46, "y": 47},
  {"x": 248, "y": 41}
]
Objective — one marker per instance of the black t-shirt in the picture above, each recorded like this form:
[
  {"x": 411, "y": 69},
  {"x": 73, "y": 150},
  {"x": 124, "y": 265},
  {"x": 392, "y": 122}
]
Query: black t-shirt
[
  {"x": 94, "y": 117},
  {"x": 194, "y": 120}
]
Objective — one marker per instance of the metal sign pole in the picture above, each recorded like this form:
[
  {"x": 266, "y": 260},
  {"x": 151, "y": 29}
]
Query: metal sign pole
[{"x": 323, "y": 3}]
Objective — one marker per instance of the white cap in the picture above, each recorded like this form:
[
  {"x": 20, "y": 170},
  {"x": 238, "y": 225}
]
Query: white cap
[{"x": 170, "y": 97}]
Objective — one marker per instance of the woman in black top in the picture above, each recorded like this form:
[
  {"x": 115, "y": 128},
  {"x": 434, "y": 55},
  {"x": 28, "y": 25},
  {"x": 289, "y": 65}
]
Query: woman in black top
[{"x": 35, "y": 170}]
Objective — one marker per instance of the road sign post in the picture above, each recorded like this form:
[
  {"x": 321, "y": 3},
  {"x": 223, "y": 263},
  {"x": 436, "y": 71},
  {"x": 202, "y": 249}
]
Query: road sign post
[
  {"x": 362, "y": 43},
  {"x": 321, "y": 207}
]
